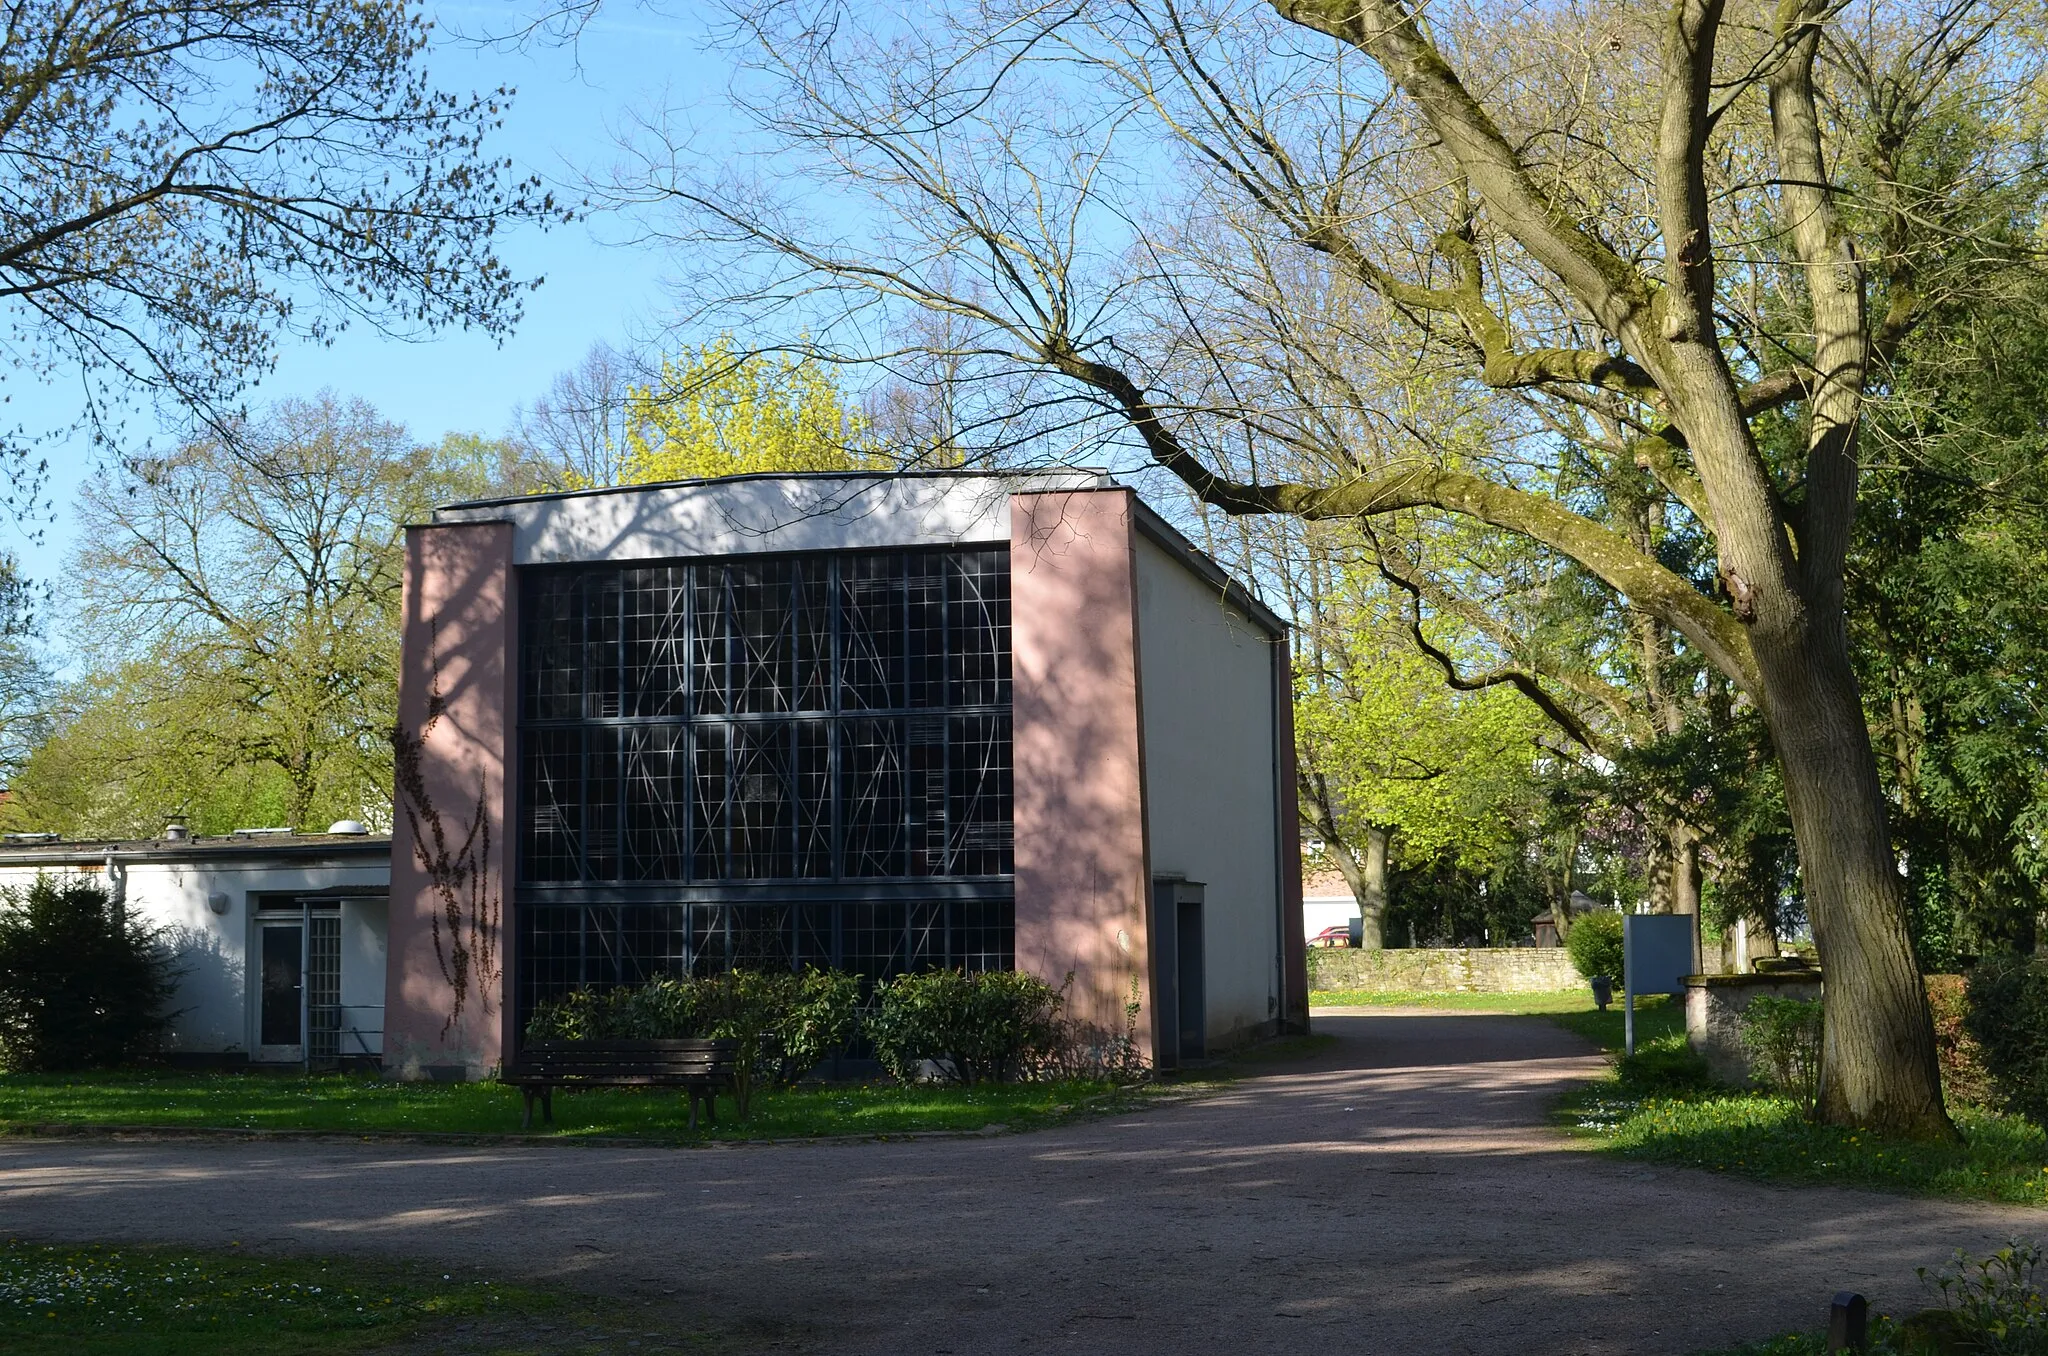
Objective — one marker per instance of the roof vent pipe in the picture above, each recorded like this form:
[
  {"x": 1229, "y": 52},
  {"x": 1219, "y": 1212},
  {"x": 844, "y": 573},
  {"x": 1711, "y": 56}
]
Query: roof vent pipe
[{"x": 176, "y": 833}]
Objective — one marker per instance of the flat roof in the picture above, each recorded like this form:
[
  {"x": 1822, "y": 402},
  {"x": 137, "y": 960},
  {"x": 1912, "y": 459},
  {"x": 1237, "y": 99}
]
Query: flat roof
[
  {"x": 34, "y": 850},
  {"x": 1038, "y": 478},
  {"x": 779, "y": 512}
]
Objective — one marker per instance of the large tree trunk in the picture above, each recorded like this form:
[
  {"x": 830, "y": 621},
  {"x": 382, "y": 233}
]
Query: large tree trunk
[
  {"x": 1879, "y": 1063},
  {"x": 1682, "y": 886},
  {"x": 1368, "y": 883},
  {"x": 1371, "y": 889}
]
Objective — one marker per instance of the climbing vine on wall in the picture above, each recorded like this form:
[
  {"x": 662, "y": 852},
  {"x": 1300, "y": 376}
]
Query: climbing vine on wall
[{"x": 455, "y": 858}]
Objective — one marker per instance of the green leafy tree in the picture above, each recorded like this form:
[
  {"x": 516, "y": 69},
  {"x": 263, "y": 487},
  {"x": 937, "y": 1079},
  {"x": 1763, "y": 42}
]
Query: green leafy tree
[
  {"x": 1691, "y": 223},
  {"x": 1950, "y": 582},
  {"x": 1393, "y": 761},
  {"x": 715, "y": 411},
  {"x": 237, "y": 605}
]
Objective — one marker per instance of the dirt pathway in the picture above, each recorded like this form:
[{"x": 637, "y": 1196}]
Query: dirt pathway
[{"x": 1398, "y": 1194}]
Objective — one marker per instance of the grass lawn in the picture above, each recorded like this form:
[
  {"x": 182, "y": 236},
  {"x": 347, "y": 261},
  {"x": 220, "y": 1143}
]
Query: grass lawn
[
  {"x": 58, "y": 1300},
  {"x": 1661, "y": 1107},
  {"x": 1569, "y": 1000},
  {"x": 345, "y": 1104}
]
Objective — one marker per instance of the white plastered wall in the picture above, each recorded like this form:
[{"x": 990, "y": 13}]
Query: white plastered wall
[
  {"x": 215, "y": 1011},
  {"x": 1205, "y": 681}
]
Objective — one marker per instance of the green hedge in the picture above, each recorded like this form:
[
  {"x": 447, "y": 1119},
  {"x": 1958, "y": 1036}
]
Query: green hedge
[
  {"x": 2008, "y": 1017},
  {"x": 971, "y": 1027},
  {"x": 994, "y": 1026},
  {"x": 1964, "y": 1079}
]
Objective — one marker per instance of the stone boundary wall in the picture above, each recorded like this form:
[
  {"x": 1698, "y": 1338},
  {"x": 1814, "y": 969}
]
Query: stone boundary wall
[{"x": 1498, "y": 969}]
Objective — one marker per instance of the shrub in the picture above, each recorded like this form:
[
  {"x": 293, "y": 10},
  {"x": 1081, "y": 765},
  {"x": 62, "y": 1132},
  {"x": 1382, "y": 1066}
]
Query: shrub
[
  {"x": 1990, "y": 1305},
  {"x": 2007, "y": 1015},
  {"x": 82, "y": 986},
  {"x": 1783, "y": 1038},
  {"x": 784, "y": 1023},
  {"x": 991, "y": 1025},
  {"x": 1084, "y": 1051},
  {"x": 1964, "y": 1079},
  {"x": 820, "y": 1021},
  {"x": 1594, "y": 944}
]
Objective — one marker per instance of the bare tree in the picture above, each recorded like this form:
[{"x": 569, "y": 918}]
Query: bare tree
[
  {"x": 1198, "y": 222},
  {"x": 183, "y": 181},
  {"x": 578, "y": 428}
]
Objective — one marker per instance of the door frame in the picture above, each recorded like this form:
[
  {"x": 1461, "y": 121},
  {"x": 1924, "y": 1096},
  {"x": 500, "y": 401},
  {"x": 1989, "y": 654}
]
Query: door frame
[
  {"x": 278, "y": 920},
  {"x": 300, "y": 912}
]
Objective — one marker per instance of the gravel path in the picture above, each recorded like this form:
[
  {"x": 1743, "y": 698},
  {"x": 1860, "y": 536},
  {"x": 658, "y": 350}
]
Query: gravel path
[{"x": 1397, "y": 1194}]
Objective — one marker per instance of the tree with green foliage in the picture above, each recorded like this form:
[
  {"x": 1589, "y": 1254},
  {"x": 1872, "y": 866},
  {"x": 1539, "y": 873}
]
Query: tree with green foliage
[
  {"x": 1949, "y": 578},
  {"x": 1392, "y": 762},
  {"x": 717, "y": 411},
  {"x": 237, "y": 611}
]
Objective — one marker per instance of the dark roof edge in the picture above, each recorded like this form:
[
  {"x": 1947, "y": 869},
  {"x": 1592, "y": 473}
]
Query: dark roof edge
[
  {"x": 1100, "y": 472},
  {"x": 158, "y": 850},
  {"x": 1169, "y": 539}
]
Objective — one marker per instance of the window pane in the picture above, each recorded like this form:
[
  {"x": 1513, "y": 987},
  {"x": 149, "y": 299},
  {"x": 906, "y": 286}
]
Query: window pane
[
  {"x": 768, "y": 718},
  {"x": 871, "y": 798}
]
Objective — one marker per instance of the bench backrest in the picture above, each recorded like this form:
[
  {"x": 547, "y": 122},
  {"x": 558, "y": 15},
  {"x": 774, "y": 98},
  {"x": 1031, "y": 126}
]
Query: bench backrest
[{"x": 596, "y": 1059}]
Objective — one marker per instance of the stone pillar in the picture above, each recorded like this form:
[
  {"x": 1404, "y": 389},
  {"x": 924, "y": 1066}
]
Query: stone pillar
[
  {"x": 445, "y": 1010},
  {"x": 1713, "y": 1014},
  {"x": 1082, "y": 874}
]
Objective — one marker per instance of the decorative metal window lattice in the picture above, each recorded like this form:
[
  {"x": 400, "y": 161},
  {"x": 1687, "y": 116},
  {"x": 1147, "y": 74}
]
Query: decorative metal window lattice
[{"x": 797, "y": 718}]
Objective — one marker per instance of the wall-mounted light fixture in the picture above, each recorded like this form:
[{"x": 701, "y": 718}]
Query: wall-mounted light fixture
[{"x": 218, "y": 902}]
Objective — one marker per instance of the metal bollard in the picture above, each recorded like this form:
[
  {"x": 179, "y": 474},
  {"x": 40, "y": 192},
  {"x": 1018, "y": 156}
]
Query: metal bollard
[{"x": 1848, "y": 1322}]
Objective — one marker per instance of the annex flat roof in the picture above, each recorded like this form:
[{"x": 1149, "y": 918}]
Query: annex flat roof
[{"x": 33, "y": 850}]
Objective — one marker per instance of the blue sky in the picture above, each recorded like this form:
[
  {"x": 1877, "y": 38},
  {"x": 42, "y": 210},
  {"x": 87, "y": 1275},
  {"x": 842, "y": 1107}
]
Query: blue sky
[{"x": 571, "y": 103}]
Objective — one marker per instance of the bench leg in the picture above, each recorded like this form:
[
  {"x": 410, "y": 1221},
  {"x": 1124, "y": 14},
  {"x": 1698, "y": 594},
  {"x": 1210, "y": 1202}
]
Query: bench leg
[
  {"x": 526, "y": 1120},
  {"x": 547, "y": 1105},
  {"x": 691, "y": 1095}
]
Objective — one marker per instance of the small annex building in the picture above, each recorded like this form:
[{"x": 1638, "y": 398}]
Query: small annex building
[
  {"x": 875, "y": 721},
  {"x": 280, "y": 937}
]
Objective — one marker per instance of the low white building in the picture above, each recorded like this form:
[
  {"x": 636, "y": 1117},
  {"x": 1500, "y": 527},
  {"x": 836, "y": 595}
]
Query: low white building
[
  {"x": 279, "y": 937},
  {"x": 1326, "y": 901}
]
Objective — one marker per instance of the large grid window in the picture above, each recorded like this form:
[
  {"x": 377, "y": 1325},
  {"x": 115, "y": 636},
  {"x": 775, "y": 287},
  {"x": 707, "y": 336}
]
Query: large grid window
[
  {"x": 825, "y": 718},
  {"x": 571, "y": 945}
]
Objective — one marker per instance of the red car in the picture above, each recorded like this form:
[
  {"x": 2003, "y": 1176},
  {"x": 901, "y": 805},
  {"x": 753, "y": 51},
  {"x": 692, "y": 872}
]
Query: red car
[{"x": 1336, "y": 936}]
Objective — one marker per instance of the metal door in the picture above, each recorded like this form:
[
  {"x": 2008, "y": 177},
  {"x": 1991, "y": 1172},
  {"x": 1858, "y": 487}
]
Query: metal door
[
  {"x": 1178, "y": 971},
  {"x": 1193, "y": 1009},
  {"x": 298, "y": 1004},
  {"x": 281, "y": 991}
]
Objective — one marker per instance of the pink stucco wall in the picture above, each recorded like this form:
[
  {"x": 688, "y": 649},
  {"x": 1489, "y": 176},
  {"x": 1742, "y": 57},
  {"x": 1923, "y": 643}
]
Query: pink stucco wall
[
  {"x": 1293, "y": 938},
  {"x": 1082, "y": 876},
  {"x": 455, "y": 695}
]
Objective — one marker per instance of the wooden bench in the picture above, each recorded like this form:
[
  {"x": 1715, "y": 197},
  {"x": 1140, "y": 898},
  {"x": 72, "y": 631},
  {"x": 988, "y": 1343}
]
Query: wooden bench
[{"x": 703, "y": 1068}]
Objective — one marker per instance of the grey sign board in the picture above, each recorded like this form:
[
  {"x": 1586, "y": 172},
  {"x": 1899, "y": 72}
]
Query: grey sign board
[{"x": 1656, "y": 956}]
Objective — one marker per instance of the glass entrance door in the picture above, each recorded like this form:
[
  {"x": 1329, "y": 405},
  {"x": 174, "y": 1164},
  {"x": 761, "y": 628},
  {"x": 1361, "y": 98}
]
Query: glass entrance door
[{"x": 281, "y": 1002}]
